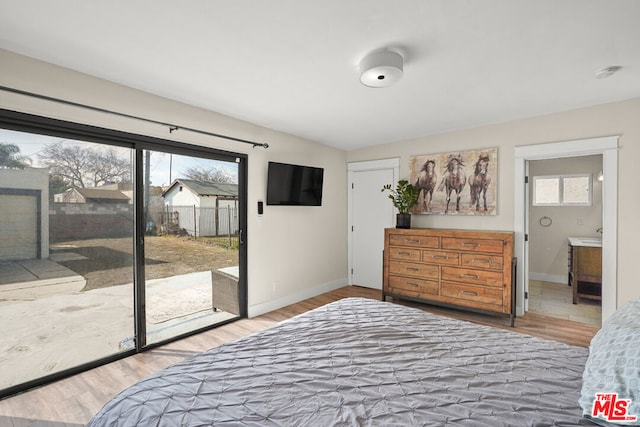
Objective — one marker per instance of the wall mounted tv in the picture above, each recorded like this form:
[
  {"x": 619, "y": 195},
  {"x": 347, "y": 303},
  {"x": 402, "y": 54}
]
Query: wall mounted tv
[{"x": 294, "y": 185}]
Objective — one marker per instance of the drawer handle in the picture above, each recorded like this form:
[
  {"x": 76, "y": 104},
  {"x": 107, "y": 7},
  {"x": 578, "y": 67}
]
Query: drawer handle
[
  {"x": 404, "y": 253},
  {"x": 411, "y": 241},
  {"x": 413, "y": 284},
  {"x": 412, "y": 269},
  {"x": 481, "y": 260},
  {"x": 473, "y": 294},
  {"x": 439, "y": 257},
  {"x": 470, "y": 276},
  {"x": 473, "y": 245}
]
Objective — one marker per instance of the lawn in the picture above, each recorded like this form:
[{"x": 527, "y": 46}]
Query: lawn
[{"x": 109, "y": 262}]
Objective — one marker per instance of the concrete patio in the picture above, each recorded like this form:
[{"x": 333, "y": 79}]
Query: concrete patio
[
  {"x": 48, "y": 324},
  {"x": 28, "y": 279}
]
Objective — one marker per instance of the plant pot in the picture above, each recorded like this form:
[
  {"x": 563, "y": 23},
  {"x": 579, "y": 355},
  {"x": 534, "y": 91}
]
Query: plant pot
[{"x": 403, "y": 220}]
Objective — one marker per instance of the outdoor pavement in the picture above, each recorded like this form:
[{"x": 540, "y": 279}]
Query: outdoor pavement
[
  {"x": 47, "y": 324},
  {"x": 34, "y": 278}
]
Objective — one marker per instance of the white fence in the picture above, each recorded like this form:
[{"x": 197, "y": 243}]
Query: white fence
[{"x": 202, "y": 222}]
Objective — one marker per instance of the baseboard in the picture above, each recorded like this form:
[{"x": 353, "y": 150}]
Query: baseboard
[
  {"x": 258, "y": 309},
  {"x": 553, "y": 278}
]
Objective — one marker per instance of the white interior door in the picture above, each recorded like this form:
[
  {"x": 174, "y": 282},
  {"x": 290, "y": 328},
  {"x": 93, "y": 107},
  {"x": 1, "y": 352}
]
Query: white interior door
[{"x": 371, "y": 213}]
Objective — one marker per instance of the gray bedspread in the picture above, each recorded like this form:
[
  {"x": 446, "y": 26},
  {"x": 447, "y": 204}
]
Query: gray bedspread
[{"x": 360, "y": 362}]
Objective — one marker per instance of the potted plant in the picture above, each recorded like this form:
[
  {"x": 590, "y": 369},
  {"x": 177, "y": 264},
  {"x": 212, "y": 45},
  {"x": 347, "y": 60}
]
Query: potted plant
[{"x": 404, "y": 197}]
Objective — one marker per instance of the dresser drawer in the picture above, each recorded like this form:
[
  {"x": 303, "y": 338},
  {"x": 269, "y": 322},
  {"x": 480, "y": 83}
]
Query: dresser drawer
[
  {"x": 493, "y": 262},
  {"x": 471, "y": 276},
  {"x": 441, "y": 257},
  {"x": 413, "y": 287},
  {"x": 414, "y": 270},
  {"x": 476, "y": 245},
  {"x": 417, "y": 241},
  {"x": 472, "y": 293},
  {"x": 405, "y": 254}
]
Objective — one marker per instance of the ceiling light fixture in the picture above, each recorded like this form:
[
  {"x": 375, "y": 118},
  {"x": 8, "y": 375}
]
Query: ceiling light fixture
[
  {"x": 606, "y": 72},
  {"x": 381, "y": 68}
]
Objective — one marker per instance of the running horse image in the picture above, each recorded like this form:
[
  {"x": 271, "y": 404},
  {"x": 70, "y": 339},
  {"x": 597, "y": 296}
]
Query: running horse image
[
  {"x": 426, "y": 183},
  {"x": 479, "y": 182},
  {"x": 453, "y": 179}
]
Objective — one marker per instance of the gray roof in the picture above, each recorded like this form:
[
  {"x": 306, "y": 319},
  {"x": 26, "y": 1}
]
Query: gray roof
[
  {"x": 203, "y": 188},
  {"x": 93, "y": 193}
]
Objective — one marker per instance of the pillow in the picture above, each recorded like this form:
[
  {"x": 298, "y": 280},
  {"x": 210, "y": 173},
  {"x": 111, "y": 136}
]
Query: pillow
[{"x": 612, "y": 371}]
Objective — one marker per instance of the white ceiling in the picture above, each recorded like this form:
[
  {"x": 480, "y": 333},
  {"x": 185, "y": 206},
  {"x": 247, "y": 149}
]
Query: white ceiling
[{"x": 292, "y": 65}]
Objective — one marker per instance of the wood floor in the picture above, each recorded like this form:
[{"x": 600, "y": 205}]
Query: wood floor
[{"x": 73, "y": 401}]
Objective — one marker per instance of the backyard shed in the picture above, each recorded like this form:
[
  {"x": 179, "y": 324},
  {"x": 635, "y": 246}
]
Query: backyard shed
[{"x": 202, "y": 208}]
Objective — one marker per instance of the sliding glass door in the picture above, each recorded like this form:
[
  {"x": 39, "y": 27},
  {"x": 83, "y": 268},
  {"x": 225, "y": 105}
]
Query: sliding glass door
[
  {"x": 66, "y": 257},
  {"x": 110, "y": 243},
  {"x": 191, "y": 269}
]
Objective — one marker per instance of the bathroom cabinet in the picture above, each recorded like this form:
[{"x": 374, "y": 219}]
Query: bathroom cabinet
[{"x": 585, "y": 272}]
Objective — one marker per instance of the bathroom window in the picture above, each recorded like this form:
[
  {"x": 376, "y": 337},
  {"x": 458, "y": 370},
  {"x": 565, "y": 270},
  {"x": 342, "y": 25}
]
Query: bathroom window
[{"x": 562, "y": 190}]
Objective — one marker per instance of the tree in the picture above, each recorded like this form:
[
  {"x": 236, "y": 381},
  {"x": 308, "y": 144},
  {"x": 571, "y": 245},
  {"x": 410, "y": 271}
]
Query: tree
[
  {"x": 108, "y": 167},
  {"x": 10, "y": 157},
  {"x": 85, "y": 166},
  {"x": 209, "y": 175},
  {"x": 57, "y": 185}
]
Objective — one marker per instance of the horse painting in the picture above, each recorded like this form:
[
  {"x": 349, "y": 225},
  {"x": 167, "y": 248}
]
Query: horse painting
[
  {"x": 441, "y": 180},
  {"x": 479, "y": 182},
  {"x": 453, "y": 179},
  {"x": 426, "y": 183}
]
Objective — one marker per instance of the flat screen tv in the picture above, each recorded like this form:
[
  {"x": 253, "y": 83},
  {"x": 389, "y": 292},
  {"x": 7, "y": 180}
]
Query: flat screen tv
[{"x": 294, "y": 185}]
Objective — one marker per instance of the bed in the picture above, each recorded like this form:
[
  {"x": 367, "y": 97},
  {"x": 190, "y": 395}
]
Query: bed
[{"x": 360, "y": 362}]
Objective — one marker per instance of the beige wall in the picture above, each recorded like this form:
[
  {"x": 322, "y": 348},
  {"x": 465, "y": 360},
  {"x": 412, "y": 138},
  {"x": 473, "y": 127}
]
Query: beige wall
[
  {"x": 620, "y": 118},
  {"x": 302, "y": 250},
  {"x": 548, "y": 247}
]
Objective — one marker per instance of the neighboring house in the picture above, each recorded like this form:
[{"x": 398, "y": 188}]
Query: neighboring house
[
  {"x": 24, "y": 219},
  {"x": 126, "y": 189},
  {"x": 90, "y": 195},
  {"x": 202, "y": 208}
]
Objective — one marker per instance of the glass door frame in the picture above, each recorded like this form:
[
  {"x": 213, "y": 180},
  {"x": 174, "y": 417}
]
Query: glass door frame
[
  {"x": 171, "y": 147},
  {"x": 24, "y": 122}
]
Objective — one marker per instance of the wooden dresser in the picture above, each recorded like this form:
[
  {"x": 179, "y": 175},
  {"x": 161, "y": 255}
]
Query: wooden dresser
[{"x": 466, "y": 269}]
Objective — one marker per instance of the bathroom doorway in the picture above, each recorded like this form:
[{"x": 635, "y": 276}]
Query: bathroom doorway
[
  {"x": 608, "y": 148},
  {"x": 565, "y": 202}
]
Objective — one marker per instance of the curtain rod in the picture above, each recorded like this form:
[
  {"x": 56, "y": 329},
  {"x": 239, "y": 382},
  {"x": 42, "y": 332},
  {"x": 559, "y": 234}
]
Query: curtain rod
[{"x": 172, "y": 127}]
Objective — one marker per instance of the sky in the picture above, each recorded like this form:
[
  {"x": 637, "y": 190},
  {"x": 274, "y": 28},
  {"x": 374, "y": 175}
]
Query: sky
[{"x": 164, "y": 168}]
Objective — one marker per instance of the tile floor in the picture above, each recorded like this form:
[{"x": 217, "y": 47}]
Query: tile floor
[{"x": 555, "y": 300}]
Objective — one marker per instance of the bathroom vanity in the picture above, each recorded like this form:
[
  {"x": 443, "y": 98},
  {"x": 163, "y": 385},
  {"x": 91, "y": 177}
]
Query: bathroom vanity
[{"x": 585, "y": 267}]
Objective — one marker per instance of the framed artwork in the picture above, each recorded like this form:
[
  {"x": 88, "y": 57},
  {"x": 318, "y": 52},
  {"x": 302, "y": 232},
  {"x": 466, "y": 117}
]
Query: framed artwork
[{"x": 460, "y": 183}]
